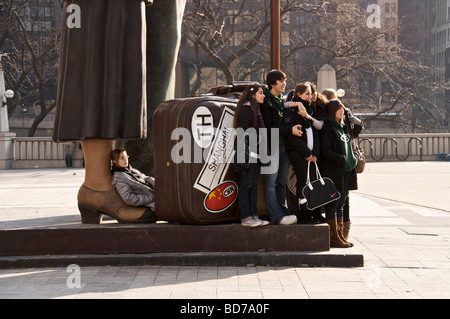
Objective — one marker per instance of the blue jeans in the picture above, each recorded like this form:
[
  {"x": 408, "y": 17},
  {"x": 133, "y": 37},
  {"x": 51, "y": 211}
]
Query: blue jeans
[
  {"x": 248, "y": 191},
  {"x": 275, "y": 188}
]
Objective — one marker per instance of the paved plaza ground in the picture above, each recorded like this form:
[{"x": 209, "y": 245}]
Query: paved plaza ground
[{"x": 401, "y": 224}]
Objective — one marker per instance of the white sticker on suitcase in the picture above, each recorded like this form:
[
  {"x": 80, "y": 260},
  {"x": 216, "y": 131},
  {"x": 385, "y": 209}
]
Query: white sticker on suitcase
[
  {"x": 203, "y": 127},
  {"x": 220, "y": 155}
]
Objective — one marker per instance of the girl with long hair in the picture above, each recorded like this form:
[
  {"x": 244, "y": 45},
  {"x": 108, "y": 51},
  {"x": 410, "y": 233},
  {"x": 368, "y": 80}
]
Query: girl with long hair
[
  {"x": 135, "y": 188},
  {"x": 338, "y": 162},
  {"x": 304, "y": 149},
  {"x": 248, "y": 115}
]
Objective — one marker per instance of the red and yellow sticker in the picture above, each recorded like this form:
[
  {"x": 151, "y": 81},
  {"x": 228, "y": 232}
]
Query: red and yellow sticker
[{"x": 221, "y": 197}]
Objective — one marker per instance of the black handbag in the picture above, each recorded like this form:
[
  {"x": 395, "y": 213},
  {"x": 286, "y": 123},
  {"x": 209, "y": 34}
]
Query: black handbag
[{"x": 319, "y": 192}]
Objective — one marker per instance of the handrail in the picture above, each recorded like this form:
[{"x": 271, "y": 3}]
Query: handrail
[
  {"x": 396, "y": 148},
  {"x": 28, "y": 152}
]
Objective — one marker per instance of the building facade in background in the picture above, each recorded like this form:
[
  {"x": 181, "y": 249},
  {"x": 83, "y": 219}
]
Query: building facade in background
[{"x": 224, "y": 39}]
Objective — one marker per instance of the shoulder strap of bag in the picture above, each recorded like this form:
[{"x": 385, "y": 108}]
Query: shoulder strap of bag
[
  {"x": 318, "y": 176},
  {"x": 308, "y": 180}
]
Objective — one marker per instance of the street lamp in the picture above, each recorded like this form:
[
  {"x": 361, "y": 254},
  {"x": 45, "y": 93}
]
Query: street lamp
[
  {"x": 9, "y": 94},
  {"x": 340, "y": 93}
]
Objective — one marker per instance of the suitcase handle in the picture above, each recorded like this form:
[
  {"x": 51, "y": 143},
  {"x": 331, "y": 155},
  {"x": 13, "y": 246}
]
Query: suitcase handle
[{"x": 235, "y": 87}]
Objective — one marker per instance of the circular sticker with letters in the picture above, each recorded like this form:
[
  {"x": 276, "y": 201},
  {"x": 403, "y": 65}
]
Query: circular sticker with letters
[{"x": 203, "y": 127}]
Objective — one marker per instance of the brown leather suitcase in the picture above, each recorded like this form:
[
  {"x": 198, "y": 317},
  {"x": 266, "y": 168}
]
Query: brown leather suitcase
[{"x": 193, "y": 151}]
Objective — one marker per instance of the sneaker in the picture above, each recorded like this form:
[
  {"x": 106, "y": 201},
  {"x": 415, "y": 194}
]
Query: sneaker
[
  {"x": 288, "y": 220},
  {"x": 262, "y": 222},
  {"x": 250, "y": 222}
]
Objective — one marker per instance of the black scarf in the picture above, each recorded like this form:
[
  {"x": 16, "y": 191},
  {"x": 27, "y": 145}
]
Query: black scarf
[{"x": 307, "y": 104}]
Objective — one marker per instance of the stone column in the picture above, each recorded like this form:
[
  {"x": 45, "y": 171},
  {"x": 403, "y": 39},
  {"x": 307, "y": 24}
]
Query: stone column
[{"x": 326, "y": 78}]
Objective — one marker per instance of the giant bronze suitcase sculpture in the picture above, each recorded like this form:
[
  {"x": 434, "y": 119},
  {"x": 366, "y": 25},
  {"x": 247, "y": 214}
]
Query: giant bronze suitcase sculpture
[{"x": 193, "y": 151}]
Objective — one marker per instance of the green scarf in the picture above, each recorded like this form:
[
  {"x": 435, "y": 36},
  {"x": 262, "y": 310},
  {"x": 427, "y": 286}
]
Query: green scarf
[
  {"x": 279, "y": 101},
  {"x": 344, "y": 139}
]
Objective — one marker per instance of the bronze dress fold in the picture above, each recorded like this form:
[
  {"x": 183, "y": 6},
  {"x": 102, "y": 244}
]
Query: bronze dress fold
[{"x": 102, "y": 73}]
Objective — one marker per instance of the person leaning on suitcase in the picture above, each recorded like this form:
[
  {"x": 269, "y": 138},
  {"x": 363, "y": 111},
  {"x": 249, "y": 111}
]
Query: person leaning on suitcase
[
  {"x": 135, "y": 188},
  {"x": 248, "y": 115}
]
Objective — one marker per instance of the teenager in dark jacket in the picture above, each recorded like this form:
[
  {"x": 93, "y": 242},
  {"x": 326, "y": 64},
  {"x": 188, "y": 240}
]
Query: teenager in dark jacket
[
  {"x": 248, "y": 115},
  {"x": 354, "y": 127},
  {"x": 337, "y": 163},
  {"x": 272, "y": 110},
  {"x": 303, "y": 149}
]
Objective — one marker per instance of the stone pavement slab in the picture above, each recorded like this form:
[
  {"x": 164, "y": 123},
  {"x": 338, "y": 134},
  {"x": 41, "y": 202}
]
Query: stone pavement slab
[
  {"x": 425, "y": 184},
  {"x": 404, "y": 240}
]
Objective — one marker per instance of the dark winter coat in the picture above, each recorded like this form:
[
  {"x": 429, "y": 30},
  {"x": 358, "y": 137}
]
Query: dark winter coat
[
  {"x": 300, "y": 144},
  {"x": 245, "y": 118},
  {"x": 272, "y": 111},
  {"x": 332, "y": 159}
]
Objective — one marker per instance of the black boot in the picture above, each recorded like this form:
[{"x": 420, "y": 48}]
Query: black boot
[
  {"x": 316, "y": 214},
  {"x": 305, "y": 216}
]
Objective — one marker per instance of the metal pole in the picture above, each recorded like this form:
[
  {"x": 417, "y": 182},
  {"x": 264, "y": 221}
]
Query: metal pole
[{"x": 275, "y": 34}]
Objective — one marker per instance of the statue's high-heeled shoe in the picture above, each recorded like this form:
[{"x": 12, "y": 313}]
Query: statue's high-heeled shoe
[{"x": 94, "y": 204}]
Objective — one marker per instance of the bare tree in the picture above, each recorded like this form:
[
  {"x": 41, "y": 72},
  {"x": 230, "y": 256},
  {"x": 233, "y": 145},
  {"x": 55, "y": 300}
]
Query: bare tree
[
  {"x": 233, "y": 36},
  {"x": 30, "y": 45},
  {"x": 378, "y": 74}
]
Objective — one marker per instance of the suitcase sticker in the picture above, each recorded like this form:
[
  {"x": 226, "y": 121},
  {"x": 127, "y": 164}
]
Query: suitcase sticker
[
  {"x": 220, "y": 156},
  {"x": 219, "y": 194},
  {"x": 222, "y": 197}
]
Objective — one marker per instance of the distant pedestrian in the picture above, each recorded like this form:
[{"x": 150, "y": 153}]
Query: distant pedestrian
[{"x": 69, "y": 150}]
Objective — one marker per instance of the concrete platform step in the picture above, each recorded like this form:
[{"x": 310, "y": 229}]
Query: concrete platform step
[
  {"x": 171, "y": 244},
  {"x": 335, "y": 258},
  {"x": 161, "y": 238}
]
